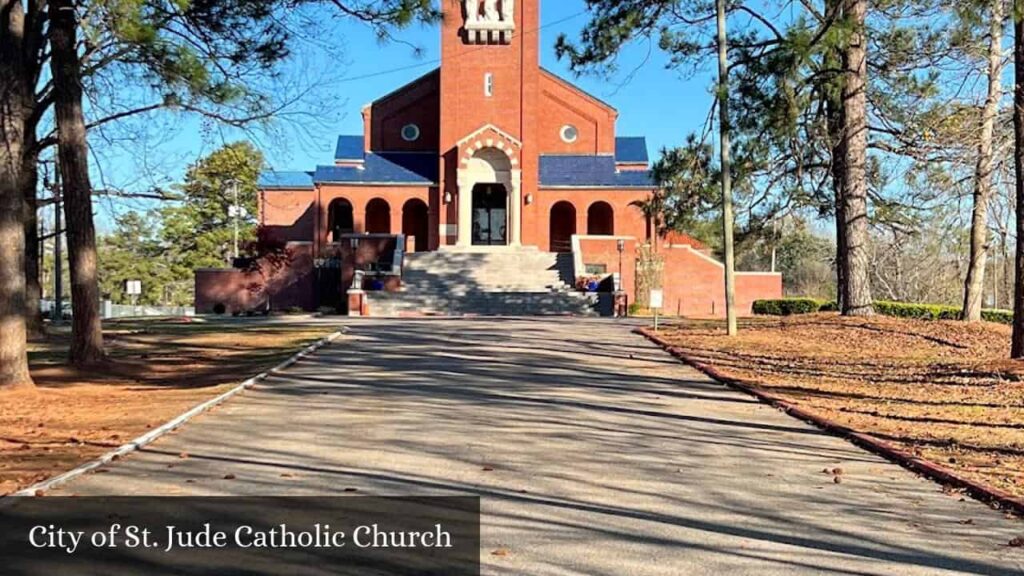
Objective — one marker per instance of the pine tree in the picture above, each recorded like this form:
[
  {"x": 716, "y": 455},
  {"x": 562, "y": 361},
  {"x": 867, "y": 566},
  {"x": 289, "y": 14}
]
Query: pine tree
[
  {"x": 13, "y": 335},
  {"x": 86, "y": 325}
]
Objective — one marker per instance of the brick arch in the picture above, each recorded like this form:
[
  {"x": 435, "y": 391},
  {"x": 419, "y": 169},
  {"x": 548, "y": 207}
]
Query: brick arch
[
  {"x": 600, "y": 219},
  {"x": 378, "y": 216},
  {"x": 561, "y": 226},
  {"x": 340, "y": 218},
  {"x": 416, "y": 223},
  {"x": 486, "y": 137}
]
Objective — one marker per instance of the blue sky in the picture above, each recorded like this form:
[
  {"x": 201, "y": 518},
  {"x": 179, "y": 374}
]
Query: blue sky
[{"x": 652, "y": 101}]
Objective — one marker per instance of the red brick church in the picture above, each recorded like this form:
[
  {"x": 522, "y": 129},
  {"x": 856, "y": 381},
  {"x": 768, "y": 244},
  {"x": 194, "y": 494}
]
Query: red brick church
[{"x": 489, "y": 168}]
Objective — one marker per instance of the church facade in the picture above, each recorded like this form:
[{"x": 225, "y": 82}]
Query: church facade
[{"x": 488, "y": 152}]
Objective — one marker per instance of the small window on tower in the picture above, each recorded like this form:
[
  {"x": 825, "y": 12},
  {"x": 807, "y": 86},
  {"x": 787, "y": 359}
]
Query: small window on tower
[
  {"x": 411, "y": 133},
  {"x": 488, "y": 85},
  {"x": 570, "y": 133}
]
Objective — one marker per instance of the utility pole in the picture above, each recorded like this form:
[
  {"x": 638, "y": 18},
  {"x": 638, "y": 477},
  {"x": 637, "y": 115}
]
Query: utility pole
[
  {"x": 775, "y": 245},
  {"x": 728, "y": 219},
  {"x": 234, "y": 212}
]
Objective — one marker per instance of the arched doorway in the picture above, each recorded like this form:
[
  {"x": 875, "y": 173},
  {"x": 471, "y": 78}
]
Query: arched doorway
[
  {"x": 416, "y": 223},
  {"x": 489, "y": 201},
  {"x": 563, "y": 226},
  {"x": 601, "y": 219},
  {"x": 340, "y": 219},
  {"x": 378, "y": 217}
]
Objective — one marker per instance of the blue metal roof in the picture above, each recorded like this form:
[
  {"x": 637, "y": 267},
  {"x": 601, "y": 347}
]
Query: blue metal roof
[
  {"x": 589, "y": 172},
  {"x": 271, "y": 180},
  {"x": 631, "y": 149},
  {"x": 350, "y": 147},
  {"x": 384, "y": 168}
]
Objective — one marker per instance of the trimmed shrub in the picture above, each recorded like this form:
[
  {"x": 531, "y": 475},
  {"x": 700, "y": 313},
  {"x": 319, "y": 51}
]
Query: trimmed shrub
[
  {"x": 917, "y": 311},
  {"x": 832, "y": 306},
  {"x": 791, "y": 306},
  {"x": 997, "y": 316},
  {"x": 795, "y": 306},
  {"x": 937, "y": 312}
]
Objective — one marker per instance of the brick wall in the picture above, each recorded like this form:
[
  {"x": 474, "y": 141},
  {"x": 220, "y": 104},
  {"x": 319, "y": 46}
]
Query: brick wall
[
  {"x": 562, "y": 103},
  {"x": 241, "y": 291},
  {"x": 694, "y": 283},
  {"x": 416, "y": 103},
  {"x": 288, "y": 215}
]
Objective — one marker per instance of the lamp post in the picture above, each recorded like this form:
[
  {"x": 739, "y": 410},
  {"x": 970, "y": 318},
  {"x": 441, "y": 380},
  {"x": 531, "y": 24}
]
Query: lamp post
[
  {"x": 622, "y": 250},
  {"x": 57, "y": 313}
]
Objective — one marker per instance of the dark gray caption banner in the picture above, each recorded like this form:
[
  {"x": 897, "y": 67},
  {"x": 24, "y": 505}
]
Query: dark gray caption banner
[{"x": 240, "y": 536}]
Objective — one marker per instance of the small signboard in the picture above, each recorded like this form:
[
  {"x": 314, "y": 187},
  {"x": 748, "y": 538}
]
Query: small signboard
[
  {"x": 657, "y": 299},
  {"x": 657, "y": 302},
  {"x": 133, "y": 287}
]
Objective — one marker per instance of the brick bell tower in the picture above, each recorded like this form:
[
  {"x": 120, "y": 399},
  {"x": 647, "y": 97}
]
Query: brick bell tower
[{"x": 490, "y": 75}]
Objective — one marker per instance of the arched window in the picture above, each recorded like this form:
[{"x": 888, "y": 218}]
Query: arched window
[
  {"x": 340, "y": 219},
  {"x": 562, "y": 227},
  {"x": 601, "y": 219},
  {"x": 378, "y": 217},
  {"x": 416, "y": 223}
]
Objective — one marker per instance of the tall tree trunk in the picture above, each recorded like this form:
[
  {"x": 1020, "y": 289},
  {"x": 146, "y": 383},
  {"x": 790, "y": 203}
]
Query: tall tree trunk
[
  {"x": 34, "y": 61},
  {"x": 1017, "y": 347},
  {"x": 728, "y": 219},
  {"x": 857, "y": 278},
  {"x": 33, "y": 288},
  {"x": 974, "y": 287},
  {"x": 836, "y": 127},
  {"x": 13, "y": 337},
  {"x": 86, "y": 327}
]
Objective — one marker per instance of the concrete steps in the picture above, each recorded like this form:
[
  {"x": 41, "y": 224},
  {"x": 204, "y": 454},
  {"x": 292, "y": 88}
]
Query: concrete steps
[{"x": 509, "y": 282}]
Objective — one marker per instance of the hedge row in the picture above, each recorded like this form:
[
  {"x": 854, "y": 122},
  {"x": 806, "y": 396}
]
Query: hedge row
[{"x": 791, "y": 306}]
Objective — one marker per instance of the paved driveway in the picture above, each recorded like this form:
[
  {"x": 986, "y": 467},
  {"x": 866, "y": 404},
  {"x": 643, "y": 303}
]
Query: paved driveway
[{"x": 594, "y": 452}]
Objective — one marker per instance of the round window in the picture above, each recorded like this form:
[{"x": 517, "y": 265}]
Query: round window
[
  {"x": 411, "y": 133},
  {"x": 570, "y": 133}
]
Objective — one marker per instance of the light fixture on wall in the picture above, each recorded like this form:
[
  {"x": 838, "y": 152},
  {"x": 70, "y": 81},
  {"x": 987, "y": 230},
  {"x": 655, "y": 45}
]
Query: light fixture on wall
[
  {"x": 529, "y": 199},
  {"x": 447, "y": 197}
]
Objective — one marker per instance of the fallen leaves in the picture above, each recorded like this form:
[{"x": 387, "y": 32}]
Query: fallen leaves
[
  {"x": 941, "y": 391},
  {"x": 73, "y": 416}
]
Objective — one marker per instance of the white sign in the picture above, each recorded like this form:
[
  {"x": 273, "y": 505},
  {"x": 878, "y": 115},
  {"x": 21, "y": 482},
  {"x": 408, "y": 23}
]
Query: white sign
[
  {"x": 133, "y": 287},
  {"x": 657, "y": 299}
]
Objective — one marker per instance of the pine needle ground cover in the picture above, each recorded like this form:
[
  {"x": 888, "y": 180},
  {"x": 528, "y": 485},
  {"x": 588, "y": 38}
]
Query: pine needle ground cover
[
  {"x": 940, "y": 389},
  {"x": 157, "y": 370}
]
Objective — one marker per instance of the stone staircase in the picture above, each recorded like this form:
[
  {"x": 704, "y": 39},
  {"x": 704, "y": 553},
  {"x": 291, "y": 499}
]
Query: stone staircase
[{"x": 509, "y": 282}]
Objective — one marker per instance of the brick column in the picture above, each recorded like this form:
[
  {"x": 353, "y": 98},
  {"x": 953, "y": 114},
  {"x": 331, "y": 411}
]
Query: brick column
[
  {"x": 516, "y": 213},
  {"x": 465, "y": 200}
]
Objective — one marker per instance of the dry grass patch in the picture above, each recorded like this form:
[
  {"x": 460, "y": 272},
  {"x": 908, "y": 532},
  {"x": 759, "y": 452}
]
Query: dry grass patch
[
  {"x": 157, "y": 370},
  {"x": 942, "y": 390}
]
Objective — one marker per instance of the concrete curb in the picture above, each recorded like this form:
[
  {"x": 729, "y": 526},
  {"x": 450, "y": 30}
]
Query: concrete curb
[
  {"x": 157, "y": 433},
  {"x": 927, "y": 468}
]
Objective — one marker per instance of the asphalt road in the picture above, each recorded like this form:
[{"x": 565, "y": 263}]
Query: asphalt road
[{"x": 594, "y": 453}]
